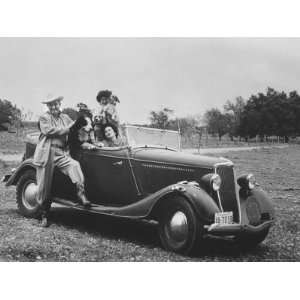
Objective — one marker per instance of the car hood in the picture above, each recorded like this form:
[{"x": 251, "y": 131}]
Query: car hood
[{"x": 175, "y": 157}]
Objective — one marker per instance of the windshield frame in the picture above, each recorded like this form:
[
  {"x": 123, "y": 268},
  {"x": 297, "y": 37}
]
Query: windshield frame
[{"x": 143, "y": 145}]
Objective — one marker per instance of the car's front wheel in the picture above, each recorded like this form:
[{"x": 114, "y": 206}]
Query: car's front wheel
[
  {"x": 26, "y": 195},
  {"x": 180, "y": 230}
]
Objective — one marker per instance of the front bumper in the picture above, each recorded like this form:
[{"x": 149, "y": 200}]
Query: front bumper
[{"x": 236, "y": 229}]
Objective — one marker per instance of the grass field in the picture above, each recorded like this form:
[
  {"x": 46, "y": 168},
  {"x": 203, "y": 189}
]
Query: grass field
[{"x": 80, "y": 236}]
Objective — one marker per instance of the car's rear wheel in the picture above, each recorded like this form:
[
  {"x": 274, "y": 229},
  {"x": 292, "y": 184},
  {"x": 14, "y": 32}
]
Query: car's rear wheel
[
  {"x": 251, "y": 241},
  {"x": 180, "y": 230},
  {"x": 26, "y": 195}
]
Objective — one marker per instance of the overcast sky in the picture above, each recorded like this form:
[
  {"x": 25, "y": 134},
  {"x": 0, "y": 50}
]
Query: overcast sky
[{"x": 187, "y": 75}]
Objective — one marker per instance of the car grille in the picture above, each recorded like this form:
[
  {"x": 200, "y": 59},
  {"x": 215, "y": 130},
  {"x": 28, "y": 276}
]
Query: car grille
[{"x": 227, "y": 191}]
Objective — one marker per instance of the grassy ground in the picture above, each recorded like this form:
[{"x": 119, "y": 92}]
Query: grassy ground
[
  {"x": 11, "y": 143},
  {"x": 80, "y": 236}
]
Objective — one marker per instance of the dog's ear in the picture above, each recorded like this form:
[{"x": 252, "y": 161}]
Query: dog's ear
[{"x": 79, "y": 123}]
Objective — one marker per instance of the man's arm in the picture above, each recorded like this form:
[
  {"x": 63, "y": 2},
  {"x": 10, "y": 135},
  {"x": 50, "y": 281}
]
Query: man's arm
[{"x": 48, "y": 130}]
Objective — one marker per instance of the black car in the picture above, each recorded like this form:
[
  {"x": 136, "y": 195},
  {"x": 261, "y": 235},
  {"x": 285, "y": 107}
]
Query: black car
[{"x": 189, "y": 196}]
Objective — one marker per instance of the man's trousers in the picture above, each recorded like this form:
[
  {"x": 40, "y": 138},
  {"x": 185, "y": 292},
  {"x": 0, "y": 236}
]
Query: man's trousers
[{"x": 67, "y": 165}]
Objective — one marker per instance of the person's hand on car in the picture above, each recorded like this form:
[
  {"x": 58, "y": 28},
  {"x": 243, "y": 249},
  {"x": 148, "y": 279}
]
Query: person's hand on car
[
  {"x": 92, "y": 147},
  {"x": 99, "y": 144}
]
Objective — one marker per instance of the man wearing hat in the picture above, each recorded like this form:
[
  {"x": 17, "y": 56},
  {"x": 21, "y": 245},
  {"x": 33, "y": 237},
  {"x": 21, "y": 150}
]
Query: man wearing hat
[{"x": 51, "y": 151}]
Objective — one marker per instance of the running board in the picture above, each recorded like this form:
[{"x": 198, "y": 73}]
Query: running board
[{"x": 95, "y": 208}]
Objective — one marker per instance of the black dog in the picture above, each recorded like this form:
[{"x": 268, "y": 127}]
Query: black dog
[{"x": 81, "y": 135}]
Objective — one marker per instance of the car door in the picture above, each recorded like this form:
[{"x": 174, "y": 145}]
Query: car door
[{"x": 109, "y": 176}]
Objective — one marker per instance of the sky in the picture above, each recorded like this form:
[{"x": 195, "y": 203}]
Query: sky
[{"x": 188, "y": 75}]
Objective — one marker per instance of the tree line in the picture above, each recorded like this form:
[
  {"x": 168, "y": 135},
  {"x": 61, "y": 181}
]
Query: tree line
[
  {"x": 272, "y": 113},
  {"x": 9, "y": 114}
]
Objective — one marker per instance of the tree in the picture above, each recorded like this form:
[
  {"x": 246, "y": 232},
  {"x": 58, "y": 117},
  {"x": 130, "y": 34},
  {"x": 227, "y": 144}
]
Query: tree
[
  {"x": 9, "y": 113},
  {"x": 268, "y": 114},
  {"x": 234, "y": 112},
  {"x": 71, "y": 112},
  {"x": 161, "y": 119},
  {"x": 294, "y": 101},
  {"x": 217, "y": 122},
  {"x": 186, "y": 125}
]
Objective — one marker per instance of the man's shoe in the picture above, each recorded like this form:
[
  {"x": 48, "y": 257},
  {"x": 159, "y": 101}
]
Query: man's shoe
[
  {"x": 45, "y": 222},
  {"x": 81, "y": 196},
  {"x": 84, "y": 201}
]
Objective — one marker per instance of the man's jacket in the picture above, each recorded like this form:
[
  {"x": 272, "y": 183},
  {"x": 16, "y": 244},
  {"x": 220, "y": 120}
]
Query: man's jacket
[{"x": 49, "y": 129}]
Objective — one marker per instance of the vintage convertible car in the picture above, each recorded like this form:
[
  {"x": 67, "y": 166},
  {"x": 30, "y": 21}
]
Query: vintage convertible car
[{"x": 189, "y": 196}]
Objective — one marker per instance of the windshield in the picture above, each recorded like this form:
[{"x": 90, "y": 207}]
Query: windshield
[
  {"x": 142, "y": 136},
  {"x": 138, "y": 136}
]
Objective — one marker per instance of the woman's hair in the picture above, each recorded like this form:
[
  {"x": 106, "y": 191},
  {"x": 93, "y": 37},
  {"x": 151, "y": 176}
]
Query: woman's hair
[
  {"x": 115, "y": 129},
  {"x": 105, "y": 94}
]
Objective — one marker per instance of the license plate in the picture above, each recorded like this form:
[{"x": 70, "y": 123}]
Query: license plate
[{"x": 224, "y": 218}]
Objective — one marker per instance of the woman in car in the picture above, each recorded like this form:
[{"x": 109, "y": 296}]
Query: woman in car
[{"x": 111, "y": 136}]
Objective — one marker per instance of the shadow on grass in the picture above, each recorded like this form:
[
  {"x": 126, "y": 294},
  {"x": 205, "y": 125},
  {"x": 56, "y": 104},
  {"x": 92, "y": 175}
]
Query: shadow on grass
[
  {"x": 106, "y": 226},
  {"x": 145, "y": 234}
]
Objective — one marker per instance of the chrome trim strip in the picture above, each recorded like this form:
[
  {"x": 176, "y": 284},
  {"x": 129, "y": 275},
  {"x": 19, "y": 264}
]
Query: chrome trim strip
[
  {"x": 152, "y": 146},
  {"x": 179, "y": 141},
  {"x": 132, "y": 173},
  {"x": 150, "y": 128},
  {"x": 218, "y": 194},
  {"x": 147, "y": 165},
  {"x": 225, "y": 163},
  {"x": 220, "y": 202},
  {"x": 237, "y": 197},
  {"x": 236, "y": 228},
  {"x": 174, "y": 164}
]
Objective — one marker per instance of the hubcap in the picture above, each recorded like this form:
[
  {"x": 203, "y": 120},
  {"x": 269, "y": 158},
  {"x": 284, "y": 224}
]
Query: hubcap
[
  {"x": 178, "y": 227},
  {"x": 29, "y": 196}
]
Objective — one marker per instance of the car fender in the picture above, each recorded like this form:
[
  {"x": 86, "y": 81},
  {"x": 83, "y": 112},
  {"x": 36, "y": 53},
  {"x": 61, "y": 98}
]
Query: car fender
[
  {"x": 261, "y": 198},
  {"x": 203, "y": 204},
  {"x": 24, "y": 166}
]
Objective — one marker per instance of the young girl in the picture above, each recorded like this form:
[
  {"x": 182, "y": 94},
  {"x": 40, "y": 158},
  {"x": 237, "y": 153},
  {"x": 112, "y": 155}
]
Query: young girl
[{"x": 107, "y": 112}]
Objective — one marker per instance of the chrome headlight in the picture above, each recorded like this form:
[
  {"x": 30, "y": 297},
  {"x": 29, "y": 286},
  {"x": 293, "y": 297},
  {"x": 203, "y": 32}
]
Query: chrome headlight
[
  {"x": 212, "y": 181},
  {"x": 251, "y": 181},
  {"x": 247, "y": 181},
  {"x": 216, "y": 182}
]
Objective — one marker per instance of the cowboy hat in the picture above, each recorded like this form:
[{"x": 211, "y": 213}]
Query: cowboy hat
[{"x": 52, "y": 99}]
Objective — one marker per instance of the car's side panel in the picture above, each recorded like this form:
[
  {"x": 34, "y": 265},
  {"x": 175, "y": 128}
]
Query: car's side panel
[
  {"x": 154, "y": 175},
  {"x": 204, "y": 205},
  {"x": 109, "y": 177}
]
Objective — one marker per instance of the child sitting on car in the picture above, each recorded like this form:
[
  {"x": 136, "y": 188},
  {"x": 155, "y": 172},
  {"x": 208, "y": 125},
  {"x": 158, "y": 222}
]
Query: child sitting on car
[{"x": 107, "y": 112}]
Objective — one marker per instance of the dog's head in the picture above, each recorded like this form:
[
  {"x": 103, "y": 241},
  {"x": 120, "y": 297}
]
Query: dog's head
[
  {"x": 89, "y": 125},
  {"x": 83, "y": 122}
]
